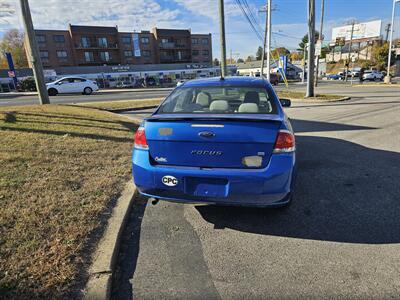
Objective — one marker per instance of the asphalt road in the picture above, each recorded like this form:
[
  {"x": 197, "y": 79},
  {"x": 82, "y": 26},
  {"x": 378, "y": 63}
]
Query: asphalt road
[
  {"x": 78, "y": 98},
  {"x": 339, "y": 239}
]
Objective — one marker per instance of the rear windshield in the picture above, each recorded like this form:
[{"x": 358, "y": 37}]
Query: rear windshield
[{"x": 219, "y": 100}]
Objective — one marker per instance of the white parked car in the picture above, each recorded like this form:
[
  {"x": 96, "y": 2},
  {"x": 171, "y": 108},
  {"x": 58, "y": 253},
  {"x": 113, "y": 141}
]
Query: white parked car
[
  {"x": 68, "y": 85},
  {"x": 373, "y": 75}
]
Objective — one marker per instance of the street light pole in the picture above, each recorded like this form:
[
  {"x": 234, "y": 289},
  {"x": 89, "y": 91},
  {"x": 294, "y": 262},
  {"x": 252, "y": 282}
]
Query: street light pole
[
  {"x": 387, "y": 78},
  {"x": 33, "y": 51}
]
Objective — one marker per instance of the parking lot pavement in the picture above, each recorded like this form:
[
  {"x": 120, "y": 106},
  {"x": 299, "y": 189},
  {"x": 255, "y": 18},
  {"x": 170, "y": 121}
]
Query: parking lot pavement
[{"x": 340, "y": 238}]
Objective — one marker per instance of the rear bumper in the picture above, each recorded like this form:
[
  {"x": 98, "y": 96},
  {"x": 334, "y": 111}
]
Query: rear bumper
[{"x": 270, "y": 186}]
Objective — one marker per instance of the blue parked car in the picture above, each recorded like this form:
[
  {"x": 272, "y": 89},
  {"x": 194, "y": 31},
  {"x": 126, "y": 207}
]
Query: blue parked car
[{"x": 218, "y": 141}]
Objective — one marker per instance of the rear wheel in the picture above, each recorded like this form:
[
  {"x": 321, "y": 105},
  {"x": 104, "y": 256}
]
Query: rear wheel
[
  {"x": 87, "y": 91},
  {"x": 52, "y": 92}
]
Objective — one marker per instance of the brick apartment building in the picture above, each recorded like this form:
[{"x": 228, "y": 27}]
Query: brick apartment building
[{"x": 98, "y": 45}]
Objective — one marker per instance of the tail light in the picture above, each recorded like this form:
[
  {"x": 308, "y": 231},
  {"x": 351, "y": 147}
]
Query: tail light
[
  {"x": 285, "y": 142},
  {"x": 140, "y": 139}
]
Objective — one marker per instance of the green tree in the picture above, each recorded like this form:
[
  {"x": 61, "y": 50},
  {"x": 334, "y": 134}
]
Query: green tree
[
  {"x": 13, "y": 42},
  {"x": 380, "y": 55},
  {"x": 240, "y": 60},
  {"x": 304, "y": 41},
  {"x": 259, "y": 53},
  {"x": 216, "y": 62}
]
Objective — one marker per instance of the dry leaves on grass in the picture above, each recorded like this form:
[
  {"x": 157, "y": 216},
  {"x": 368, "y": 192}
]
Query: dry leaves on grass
[{"x": 62, "y": 168}]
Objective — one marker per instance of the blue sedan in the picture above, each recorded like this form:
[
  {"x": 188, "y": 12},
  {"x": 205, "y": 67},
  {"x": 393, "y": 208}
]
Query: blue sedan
[{"x": 224, "y": 141}]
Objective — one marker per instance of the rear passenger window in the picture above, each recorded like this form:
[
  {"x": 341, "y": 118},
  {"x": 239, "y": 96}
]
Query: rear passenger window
[{"x": 219, "y": 100}]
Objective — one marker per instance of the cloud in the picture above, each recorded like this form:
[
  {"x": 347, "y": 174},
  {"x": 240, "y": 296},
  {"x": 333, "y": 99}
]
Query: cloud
[{"x": 128, "y": 15}]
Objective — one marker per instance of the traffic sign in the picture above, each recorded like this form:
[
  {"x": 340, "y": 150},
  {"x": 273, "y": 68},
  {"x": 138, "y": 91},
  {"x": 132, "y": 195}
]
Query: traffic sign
[
  {"x": 340, "y": 41},
  {"x": 11, "y": 74}
]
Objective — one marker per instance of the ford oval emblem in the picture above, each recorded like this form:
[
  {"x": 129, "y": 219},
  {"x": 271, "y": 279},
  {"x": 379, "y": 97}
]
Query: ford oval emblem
[{"x": 206, "y": 134}]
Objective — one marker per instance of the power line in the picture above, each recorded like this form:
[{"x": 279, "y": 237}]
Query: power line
[
  {"x": 252, "y": 15},
  {"x": 240, "y": 5}
]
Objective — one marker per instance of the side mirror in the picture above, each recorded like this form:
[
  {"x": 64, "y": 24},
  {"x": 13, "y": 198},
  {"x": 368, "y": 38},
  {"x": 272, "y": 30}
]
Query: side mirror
[{"x": 285, "y": 102}]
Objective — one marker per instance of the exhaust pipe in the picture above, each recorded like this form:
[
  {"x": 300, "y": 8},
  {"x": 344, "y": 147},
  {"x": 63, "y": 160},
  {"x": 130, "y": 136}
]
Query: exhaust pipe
[{"x": 155, "y": 201}]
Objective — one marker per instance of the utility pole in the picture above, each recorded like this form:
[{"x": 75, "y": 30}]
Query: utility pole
[
  {"x": 264, "y": 45},
  {"x": 303, "y": 77},
  {"x": 387, "y": 78},
  {"x": 320, "y": 40},
  {"x": 33, "y": 51},
  {"x": 269, "y": 8},
  {"x": 267, "y": 39},
  {"x": 222, "y": 37},
  {"x": 311, "y": 48},
  {"x": 350, "y": 46}
]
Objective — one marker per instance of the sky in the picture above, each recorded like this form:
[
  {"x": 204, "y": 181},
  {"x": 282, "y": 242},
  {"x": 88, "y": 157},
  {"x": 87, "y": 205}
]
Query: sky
[{"x": 289, "y": 18}]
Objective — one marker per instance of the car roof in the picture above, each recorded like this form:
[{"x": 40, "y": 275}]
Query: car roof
[
  {"x": 227, "y": 81},
  {"x": 66, "y": 77}
]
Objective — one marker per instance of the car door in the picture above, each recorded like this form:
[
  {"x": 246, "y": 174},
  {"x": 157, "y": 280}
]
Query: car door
[
  {"x": 63, "y": 86},
  {"x": 76, "y": 85}
]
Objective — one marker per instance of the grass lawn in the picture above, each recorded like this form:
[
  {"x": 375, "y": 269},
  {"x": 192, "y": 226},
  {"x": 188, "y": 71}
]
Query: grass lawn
[
  {"x": 62, "y": 168},
  {"x": 301, "y": 95},
  {"x": 123, "y": 104}
]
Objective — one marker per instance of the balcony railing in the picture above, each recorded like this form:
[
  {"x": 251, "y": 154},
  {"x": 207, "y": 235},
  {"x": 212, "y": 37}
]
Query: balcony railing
[
  {"x": 172, "y": 45},
  {"x": 97, "y": 46}
]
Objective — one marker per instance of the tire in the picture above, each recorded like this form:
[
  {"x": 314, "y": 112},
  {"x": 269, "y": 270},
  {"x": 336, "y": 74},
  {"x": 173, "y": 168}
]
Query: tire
[
  {"x": 87, "y": 91},
  {"x": 52, "y": 92}
]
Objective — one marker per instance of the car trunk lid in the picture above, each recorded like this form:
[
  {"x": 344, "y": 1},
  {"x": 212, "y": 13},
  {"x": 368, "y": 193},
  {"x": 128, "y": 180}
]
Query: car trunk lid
[{"x": 213, "y": 142}]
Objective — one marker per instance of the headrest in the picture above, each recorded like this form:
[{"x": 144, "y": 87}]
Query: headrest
[
  {"x": 203, "y": 99},
  {"x": 248, "y": 108},
  {"x": 251, "y": 97},
  {"x": 219, "y": 105}
]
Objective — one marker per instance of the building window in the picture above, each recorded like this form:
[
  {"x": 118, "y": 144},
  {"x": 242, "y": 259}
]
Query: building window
[
  {"x": 59, "y": 38},
  {"x": 102, "y": 42},
  {"x": 204, "y": 41},
  {"x": 195, "y": 52},
  {"x": 126, "y": 40},
  {"x": 62, "y": 54},
  {"x": 164, "y": 41},
  {"x": 85, "y": 42},
  {"x": 44, "y": 54},
  {"x": 128, "y": 53},
  {"x": 146, "y": 53},
  {"x": 195, "y": 41},
  {"x": 205, "y": 52},
  {"x": 41, "y": 38},
  {"x": 145, "y": 40},
  {"x": 89, "y": 57},
  {"x": 105, "y": 56}
]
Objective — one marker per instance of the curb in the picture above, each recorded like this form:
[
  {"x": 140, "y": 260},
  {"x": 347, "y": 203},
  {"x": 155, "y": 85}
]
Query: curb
[
  {"x": 118, "y": 110},
  {"x": 318, "y": 101},
  {"x": 377, "y": 85},
  {"x": 105, "y": 257}
]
